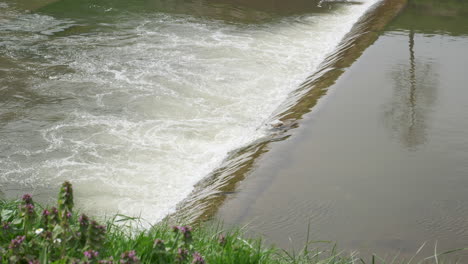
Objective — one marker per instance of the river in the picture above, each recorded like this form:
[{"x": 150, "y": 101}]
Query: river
[
  {"x": 136, "y": 102},
  {"x": 261, "y": 112}
]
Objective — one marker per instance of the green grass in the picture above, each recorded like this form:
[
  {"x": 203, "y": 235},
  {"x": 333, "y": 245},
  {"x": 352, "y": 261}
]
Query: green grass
[{"x": 32, "y": 234}]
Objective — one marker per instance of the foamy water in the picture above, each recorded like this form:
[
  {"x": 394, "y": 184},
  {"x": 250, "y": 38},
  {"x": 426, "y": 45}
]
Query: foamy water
[{"x": 137, "y": 111}]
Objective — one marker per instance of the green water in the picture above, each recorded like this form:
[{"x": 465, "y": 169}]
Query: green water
[
  {"x": 434, "y": 17},
  {"x": 380, "y": 165}
]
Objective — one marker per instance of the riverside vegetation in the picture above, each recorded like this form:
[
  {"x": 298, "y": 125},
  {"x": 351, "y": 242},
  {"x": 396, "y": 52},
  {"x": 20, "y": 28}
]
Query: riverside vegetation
[{"x": 33, "y": 234}]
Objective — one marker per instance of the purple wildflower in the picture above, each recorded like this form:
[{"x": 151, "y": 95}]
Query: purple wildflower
[
  {"x": 95, "y": 234},
  {"x": 16, "y": 243},
  {"x": 129, "y": 257},
  {"x": 29, "y": 208},
  {"x": 27, "y": 199},
  {"x": 45, "y": 219},
  {"x": 198, "y": 259},
  {"x": 187, "y": 233},
  {"x": 182, "y": 254},
  {"x": 52, "y": 217},
  {"x": 65, "y": 200},
  {"x": 185, "y": 230},
  {"x": 97, "y": 226},
  {"x": 108, "y": 261},
  {"x": 6, "y": 225},
  {"x": 84, "y": 220},
  {"x": 90, "y": 254}
]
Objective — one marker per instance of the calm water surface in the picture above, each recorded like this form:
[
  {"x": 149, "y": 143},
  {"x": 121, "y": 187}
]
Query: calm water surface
[{"x": 381, "y": 164}]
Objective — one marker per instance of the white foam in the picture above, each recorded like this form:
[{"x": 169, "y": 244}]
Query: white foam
[{"x": 151, "y": 108}]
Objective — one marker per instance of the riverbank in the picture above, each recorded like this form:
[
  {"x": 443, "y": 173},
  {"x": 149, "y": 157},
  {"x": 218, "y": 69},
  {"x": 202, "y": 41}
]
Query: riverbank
[
  {"x": 34, "y": 234},
  {"x": 31, "y": 233}
]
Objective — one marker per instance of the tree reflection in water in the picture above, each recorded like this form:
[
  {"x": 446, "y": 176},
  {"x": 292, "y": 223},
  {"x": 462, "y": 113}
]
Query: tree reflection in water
[{"x": 415, "y": 87}]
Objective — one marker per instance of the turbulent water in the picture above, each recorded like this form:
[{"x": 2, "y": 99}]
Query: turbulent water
[{"x": 135, "y": 106}]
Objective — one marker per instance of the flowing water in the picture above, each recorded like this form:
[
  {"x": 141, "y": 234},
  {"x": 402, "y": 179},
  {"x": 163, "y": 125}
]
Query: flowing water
[{"x": 135, "y": 102}]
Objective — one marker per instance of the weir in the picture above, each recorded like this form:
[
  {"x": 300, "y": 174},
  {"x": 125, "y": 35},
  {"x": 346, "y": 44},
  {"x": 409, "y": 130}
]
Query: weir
[
  {"x": 136, "y": 103},
  {"x": 213, "y": 190}
]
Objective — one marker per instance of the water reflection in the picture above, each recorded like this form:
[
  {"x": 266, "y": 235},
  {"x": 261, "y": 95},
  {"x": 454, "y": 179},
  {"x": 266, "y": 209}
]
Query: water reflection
[
  {"x": 415, "y": 91},
  {"x": 230, "y": 10},
  {"x": 449, "y": 17}
]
